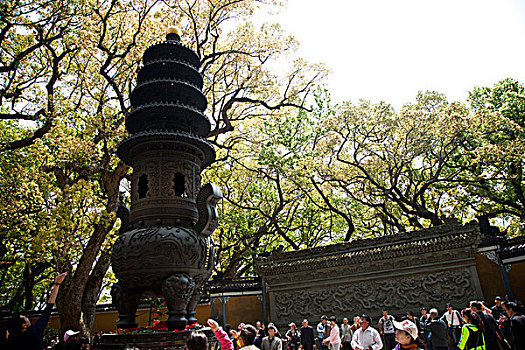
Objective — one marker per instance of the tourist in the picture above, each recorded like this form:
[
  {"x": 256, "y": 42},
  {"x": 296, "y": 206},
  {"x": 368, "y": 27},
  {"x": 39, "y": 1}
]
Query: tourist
[
  {"x": 228, "y": 329},
  {"x": 438, "y": 331},
  {"x": 71, "y": 340},
  {"x": 355, "y": 326},
  {"x": 277, "y": 334},
  {"x": 386, "y": 329},
  {"x": 415, "y": 320},
  {"x": 23, "y": 334},
  {"x": 271, "y": 342},
  {"x": 260, "y": 329},
  {"x": 96, "y": 340},
  {"x": 453, "y": 320},
  {"x": 327, "y": 331},
  {"x": 490, "y": 327},
  {"x": 333, "y": 338},
  {"x": 320, "y": 332},
  {"x": 366, "y": 337},
  {"x": 197, "y": 341},
  {"x": 245, "y": 337},
  {"x": 260, "y": 334},
  {"x": 346, "y": 334},
  {"x": 517, "y": 325},
  {"x": 222, "y": 337},
  {"x": 497, "y": 309},
  {"x": 504, "y": 325},
  {"x": 407, "y": 335},
  {"x": 423, "y": 321},
  {"x": 293, "y": 341},
  {"x": 307, "y": 336},
  {"x": 471, "y": 332}
]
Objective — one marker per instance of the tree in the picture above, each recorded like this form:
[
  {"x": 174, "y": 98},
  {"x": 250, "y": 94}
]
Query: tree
[
  {"x": 266, "y": 205},
  {"x": 95, "y": 49},
  {"x": 34, "y": 51},
  {"x": 496, "y": 173},
  {"x": 397, "y": 164}
]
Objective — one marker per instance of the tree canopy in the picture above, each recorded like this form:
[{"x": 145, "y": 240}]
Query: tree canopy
[{"x": 297, "y": 170}]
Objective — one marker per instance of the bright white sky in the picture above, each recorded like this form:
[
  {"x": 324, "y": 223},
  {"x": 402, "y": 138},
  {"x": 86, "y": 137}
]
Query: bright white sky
[{"x": 391, "y": 49}]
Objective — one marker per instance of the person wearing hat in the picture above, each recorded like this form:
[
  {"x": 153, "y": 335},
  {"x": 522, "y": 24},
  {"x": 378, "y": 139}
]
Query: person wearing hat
[
  {"x": 292, "y": 337},
  {"x": 71, "y": 340},
  {"x": 407, "y": 336},
  {"x": 24, "y": 335},
  {"x": 271, "y": 342},
  {"x": 366, "y": 337},
  {"x": 333, "y": 339}
]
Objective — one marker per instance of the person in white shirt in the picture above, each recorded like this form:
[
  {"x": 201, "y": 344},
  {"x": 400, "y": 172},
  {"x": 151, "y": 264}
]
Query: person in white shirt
[
  {"x": 454, "y": 321},
  {"x": 386, "y": 329},
  {"x": 366, "y": 337}
]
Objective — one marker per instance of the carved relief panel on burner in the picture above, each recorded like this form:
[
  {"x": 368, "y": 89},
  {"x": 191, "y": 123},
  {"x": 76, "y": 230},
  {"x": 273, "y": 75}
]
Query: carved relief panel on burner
[
  {"x": 181, "y": 178},
  {"x": 157, "y": 178}
]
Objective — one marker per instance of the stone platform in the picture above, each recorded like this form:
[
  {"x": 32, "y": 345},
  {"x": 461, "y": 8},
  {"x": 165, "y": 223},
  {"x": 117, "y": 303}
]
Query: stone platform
[{"x": 153, "y": 340}]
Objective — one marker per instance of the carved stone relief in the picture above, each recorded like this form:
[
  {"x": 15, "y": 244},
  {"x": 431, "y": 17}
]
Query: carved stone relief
[
  {"x": 491, "y": 255},
  {"x": 371, "y": 296}
]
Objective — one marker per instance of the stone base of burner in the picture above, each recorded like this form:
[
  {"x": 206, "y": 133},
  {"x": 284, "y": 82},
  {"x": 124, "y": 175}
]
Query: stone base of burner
[{"x": 154, "y": 340}]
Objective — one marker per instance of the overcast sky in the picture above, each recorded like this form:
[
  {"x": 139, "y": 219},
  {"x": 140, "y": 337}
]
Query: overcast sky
[{"x": 391, "y": 49}]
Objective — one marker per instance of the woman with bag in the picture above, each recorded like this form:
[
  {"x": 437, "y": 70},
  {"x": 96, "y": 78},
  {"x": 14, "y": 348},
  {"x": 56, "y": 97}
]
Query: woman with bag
[
  {"x": 292, "y": 337},
  {"x": 472, "y": 332}
]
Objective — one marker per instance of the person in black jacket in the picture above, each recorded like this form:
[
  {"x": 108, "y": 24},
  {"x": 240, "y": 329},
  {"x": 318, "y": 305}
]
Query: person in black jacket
[
  {"x": 307, "y": 336},
  {"x": 517, "y": 325},
  {"x": 497, "y": 310},
  {"x": 491, "y": 329},
  {"x": 24, "y": 335},
  {"x": 438, "y": 331}
]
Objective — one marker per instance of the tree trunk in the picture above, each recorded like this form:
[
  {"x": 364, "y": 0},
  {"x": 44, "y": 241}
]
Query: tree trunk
[
  {"x": 93, "y": 288},
  {"x": 29, "y": 282},
  {"x": 86, "y": 279}
]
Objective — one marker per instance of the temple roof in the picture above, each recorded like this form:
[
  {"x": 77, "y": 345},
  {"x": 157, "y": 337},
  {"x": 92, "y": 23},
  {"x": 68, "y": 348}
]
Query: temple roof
[
  {"x": 513, "y": 247},
  {"x": 228, "y": 285},
  {"x": 448, "y": 236}
]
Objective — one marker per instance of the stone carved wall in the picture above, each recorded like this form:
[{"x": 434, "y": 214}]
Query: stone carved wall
[
  {"x": 399, "y": 272},
  {"x": 371, "y": 296}
]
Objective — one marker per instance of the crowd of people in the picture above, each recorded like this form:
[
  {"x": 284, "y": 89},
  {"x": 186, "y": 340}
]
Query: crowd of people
[{"x": 476, "y": 327}]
